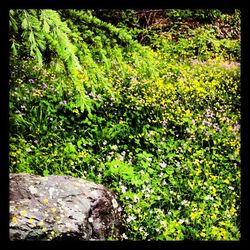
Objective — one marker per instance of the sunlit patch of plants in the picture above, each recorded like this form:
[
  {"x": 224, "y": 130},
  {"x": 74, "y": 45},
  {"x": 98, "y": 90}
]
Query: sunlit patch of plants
[{"x": 161, "y": 127}]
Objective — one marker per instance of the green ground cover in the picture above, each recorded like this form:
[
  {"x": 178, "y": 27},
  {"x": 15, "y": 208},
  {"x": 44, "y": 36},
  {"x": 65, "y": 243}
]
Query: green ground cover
[{"x": 150, "y": 111}]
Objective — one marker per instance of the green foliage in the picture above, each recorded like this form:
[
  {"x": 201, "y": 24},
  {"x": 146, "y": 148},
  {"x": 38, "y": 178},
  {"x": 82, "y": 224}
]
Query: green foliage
[{"x": 156, "y": 120}]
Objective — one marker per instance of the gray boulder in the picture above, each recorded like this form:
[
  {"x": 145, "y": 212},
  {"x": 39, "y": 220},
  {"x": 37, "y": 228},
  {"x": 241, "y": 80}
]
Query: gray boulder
[{"x": 61, "y": 208}]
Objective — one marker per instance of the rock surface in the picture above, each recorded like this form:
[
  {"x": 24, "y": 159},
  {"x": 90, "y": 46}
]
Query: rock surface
[{"x": 61, "y": 208}]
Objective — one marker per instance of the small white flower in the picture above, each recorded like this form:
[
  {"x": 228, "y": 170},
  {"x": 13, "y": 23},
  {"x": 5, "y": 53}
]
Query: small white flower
[
  {"x": 114, "y": 147},
  {"x": 164, "y": 183},
  {"x": 169, "y": 212},
  {"x": 163, "y": 223},
  {"x": 230, "y": 187},
  {"x": 181, "y": 221},
  {"x": 150, "y": 133},
  {"x": 183, "y": 202},
  {"x": 130, "y": 218},
  {"x": 163, "y": 164},
  {"x": 90, "y": 219},
  {"x": 123, "y": 189},
  {"x": 136, "y": 198}
]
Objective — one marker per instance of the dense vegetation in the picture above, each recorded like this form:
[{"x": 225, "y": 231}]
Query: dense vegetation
[{"x": 145, "y": 102}]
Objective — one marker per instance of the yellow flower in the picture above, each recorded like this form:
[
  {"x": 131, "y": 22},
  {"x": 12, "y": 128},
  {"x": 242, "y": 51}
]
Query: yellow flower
[
  {"x": 202, "y": 234},
  {"x": 193, "y": 216},
  {"x": 213, "y": 216},
  {"x": 232, "y": 211}
]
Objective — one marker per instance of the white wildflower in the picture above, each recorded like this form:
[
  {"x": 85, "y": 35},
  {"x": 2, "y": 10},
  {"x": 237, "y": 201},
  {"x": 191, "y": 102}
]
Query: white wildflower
[
  {"x": 131, "y": 218},
  {"x": 114, "y": 147},
  {"x": 181, "y": 221},
  {"x": 163, "y": 164},
  {"x": 184, "y": 202},
  {"x": 136, "y": 198},
  {"x": 123, "y": 189}
]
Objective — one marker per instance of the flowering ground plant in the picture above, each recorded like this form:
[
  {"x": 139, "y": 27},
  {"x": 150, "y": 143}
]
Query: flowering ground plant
[{"x": 156, "y": 120}]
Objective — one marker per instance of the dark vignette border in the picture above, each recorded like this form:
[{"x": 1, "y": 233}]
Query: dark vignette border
[{"x": 136, "y": 4}]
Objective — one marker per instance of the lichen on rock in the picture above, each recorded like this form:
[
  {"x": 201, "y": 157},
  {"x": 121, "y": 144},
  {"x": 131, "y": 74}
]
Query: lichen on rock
[{"x": 61, "y": 207}]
